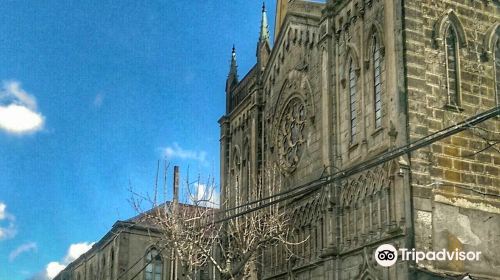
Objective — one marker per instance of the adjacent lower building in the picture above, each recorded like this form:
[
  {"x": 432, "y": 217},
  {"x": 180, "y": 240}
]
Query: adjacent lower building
[{"x": 132, "y": 249}]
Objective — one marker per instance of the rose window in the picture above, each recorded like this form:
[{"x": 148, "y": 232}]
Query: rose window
[{"x": 291, "y": 134}]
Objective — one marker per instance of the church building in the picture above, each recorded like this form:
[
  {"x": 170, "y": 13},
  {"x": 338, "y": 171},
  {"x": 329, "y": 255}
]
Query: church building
[{"x": 342, "y": 87}]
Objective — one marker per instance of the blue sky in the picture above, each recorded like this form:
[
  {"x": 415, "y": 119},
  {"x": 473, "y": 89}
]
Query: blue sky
[{"x": 92, "y": 94}]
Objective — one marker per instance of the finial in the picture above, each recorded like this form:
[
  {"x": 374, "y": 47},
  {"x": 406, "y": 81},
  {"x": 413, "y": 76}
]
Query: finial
[
  {"x": 233, "y": 67},
  {"x": 264, "y": 28}
]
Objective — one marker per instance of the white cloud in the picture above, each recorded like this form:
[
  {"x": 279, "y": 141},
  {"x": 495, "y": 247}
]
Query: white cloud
[
  {"x": 25, "y": 248},
  {"x": 207, "y": 196},
  {"x": 19, "y": 119},
  {"x": 7, "y": 223},
  {"x": 53, "y": 268},
  {"x": 18, "y": 110},
  {"x": 175, "y": 151},
  {"x": 2, "y": 211},
  {"x": 98, "y": 100},
  {"x": 8, "y": 232},
  {"x": 13, "y": 90},
  {"x": 76, "y": 250}
]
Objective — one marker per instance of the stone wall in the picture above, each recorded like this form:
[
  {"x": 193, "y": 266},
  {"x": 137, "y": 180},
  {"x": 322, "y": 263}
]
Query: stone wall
[
  {"x": 455, "y": 181},
  {"x": 444, "y": 195},
  {"x": 122, "y": 252}
]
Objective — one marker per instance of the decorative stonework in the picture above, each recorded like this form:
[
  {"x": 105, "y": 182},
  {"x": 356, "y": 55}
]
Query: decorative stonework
[
  {"x": 290, "y": 136},
  {"x": 290, "y": 120},
  {"x": 366, "y": 204}
]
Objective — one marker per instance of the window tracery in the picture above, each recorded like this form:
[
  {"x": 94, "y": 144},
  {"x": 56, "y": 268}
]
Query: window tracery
[
  {"x": 291, "y": 134},
  {"x": 377, "y": 81},
  {"x": 353, "y": 102}
]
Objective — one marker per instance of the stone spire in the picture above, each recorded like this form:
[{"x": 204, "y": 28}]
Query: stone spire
[
  {"x": 233, "y": 69},
  {"x": 232, "y": 81},
  {"x": 264, "y": 27},
  {"x": 263, "y": 45}
]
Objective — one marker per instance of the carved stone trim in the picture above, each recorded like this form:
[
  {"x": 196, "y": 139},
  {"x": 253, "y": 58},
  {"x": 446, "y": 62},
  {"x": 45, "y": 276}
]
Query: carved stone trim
[
  {"x": 440, "y": 27},
  {"x": 489, "y": 40},
  {"x": 290, "y": 137}
]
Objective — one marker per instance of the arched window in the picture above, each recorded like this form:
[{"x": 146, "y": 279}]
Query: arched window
[
  {"x": 246, "y": 165},
  {"x": 103, "y": 267},
  {"x": 452, "y": 66},
  {"x": 377, "y": 81},
  {"x": 236, "y": 177},
  {"x": 497, "y": 70},
  {"x": 112, "y": 264},
  {"x": 353, "y": 101},
  {"x": 154, "y": 269}
]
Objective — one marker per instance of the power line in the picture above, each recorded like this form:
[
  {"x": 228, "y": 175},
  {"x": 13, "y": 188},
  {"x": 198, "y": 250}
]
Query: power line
[
  {"x": 422, "y": 142},
  {"x": 318, "y": 183},
  {"x": 429, "y": 139}
]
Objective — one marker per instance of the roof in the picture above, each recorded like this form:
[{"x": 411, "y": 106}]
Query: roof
[{"x": 142, "y": 221}]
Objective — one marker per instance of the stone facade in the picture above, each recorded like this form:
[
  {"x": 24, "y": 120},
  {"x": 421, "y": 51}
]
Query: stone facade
[
  {"x": 346, "y": 82},
  {"x": 124, "y": 253}
]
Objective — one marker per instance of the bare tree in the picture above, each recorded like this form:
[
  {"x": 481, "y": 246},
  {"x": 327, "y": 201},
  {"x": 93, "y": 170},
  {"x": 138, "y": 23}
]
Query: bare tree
[{"x": 198, "y": 236}]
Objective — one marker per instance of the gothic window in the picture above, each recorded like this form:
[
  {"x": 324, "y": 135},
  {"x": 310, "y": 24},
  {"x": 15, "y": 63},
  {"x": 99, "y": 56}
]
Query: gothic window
[
  {"x": 497, "y": 71},
  {"x": 291, "y": 134},
  {"x": 353, "y": 103},
  {"x": 103, "y": 267},
  {"x": 236, "y": 176},
  {"x": 452, "y": 67},
  {"x": 377, "y": 82},
  {"x": 154, "y": 268},
  {"x": 112, "y": 263},
  {"x": 92, "y": 275},
  {"x": 246, "y": 166}
]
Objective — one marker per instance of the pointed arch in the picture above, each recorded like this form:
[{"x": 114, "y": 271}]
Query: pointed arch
[
  {"x": 441, "y": 27},
  {"x": 367, "y": 275},
  {"x": 368, "y": 272},
  {"x": 295, "y": 83},
  {"x": 235, "y": 174},
  {"x": 492, "y": 50},
  {"x": 450, "y": 37},
  {"x": 376, "y": 56},
  {"x": 377, "y": 32},
  {"x": 452, "y": 47},
  {"x": 350, "y": 54},
  {"x": 350, "y": 74},
  {"x": 246, "y": 170},
  {"x": 491, "y": 35},
  {"x": 353, "y": 100},
  {"x": 236, "y": 157}
]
